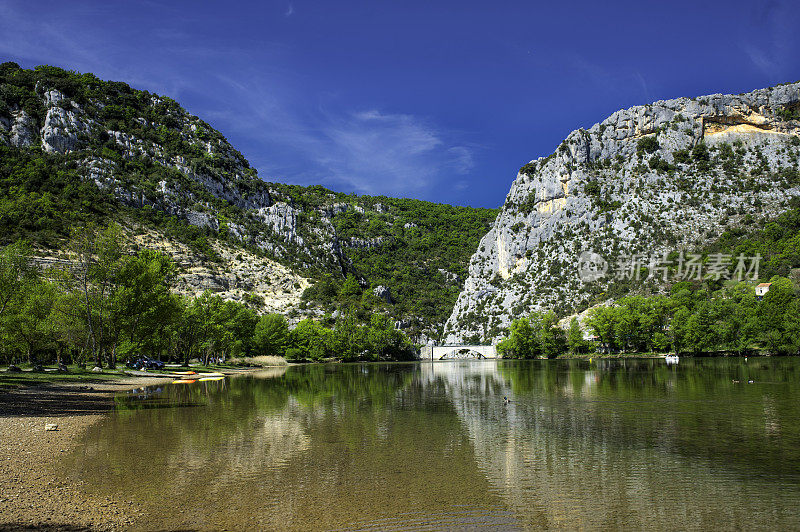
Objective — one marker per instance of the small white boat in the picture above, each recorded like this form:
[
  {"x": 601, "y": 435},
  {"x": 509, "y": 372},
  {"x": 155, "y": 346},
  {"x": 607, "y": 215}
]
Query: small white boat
[{"x": 671, "y": 359}]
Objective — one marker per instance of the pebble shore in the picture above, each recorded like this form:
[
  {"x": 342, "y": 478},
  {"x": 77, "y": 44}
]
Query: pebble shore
[{"x": 33, "y": 495}]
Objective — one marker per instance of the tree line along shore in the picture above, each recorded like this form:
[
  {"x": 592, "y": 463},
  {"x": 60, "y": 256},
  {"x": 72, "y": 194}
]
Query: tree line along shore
[
  {"x": 109, "y": 305},
  {"x": 695, "y": 318}
]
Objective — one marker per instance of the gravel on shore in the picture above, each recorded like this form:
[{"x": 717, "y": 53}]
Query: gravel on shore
[{"x": 32, "y": 495}]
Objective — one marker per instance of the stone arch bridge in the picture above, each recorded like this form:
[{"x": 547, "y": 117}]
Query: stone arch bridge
[{"x": 451, "y": 352}]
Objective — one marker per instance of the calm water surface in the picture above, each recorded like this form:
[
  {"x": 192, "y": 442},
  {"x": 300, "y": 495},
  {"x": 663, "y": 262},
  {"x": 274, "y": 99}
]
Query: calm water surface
[{"x": 610, "y": 444}]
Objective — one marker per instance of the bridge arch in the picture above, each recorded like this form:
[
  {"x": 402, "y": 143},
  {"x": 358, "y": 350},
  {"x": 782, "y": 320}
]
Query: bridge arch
[
  {"x": 452, "y": 352},
  {"x": 461, "y": 352}
]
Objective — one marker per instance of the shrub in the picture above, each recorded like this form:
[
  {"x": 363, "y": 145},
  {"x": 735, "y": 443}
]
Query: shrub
[
  {"x": 700, "y": 152},
  {"x": 294, "y": 353},
  {"x": 528, "y": 169},
  {"x": 592, "y": 188},
  {"x": 660, "y": 165},
  {"x": 681, "y": 156},
  {"x": 788, "y": 113},
  {"x": 262, "y": 361},
  {"x": 647, "y": 145}
]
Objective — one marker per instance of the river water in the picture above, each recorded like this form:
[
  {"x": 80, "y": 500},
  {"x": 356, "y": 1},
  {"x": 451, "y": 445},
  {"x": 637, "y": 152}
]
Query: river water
[{"x": 611, "y": 444}]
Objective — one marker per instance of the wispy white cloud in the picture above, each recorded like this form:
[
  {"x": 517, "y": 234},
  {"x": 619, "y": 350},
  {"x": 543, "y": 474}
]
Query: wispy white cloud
[
  {"x": 382, "y": 153},
  {"x": 461, "y": 184},
  {"x": 771, "y": 41},
  {"x": 368, "y": 151},
  {"x": 289, "y": 10},
  {"x": 643, "y": 84},
  {"x": 762, "y": 60},
  {"x": 68, "y": 40},
  {"x": 462, "y": 159}
]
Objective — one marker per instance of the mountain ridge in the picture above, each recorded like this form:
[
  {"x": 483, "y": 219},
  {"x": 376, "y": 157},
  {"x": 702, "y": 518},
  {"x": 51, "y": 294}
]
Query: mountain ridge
[{"x": 75, "y": 149}]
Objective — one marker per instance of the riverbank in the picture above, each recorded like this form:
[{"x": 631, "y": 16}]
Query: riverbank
[
  {"x": 595, "y": 356},
  {"x": 33, "y": 495}
]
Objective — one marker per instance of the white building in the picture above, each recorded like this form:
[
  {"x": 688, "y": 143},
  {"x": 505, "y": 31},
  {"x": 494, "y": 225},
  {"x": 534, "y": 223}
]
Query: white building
[{"x": 762, "y": 289}]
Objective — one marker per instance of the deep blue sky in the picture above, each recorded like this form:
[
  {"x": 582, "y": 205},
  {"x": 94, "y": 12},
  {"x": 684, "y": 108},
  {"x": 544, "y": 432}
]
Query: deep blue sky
[{"x": 438, "y": 100}]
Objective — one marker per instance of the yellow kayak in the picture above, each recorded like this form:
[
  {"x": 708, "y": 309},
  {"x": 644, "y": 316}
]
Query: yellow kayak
[
  {"x": 184, "y": 381},
  {"x": 214, "y": 374},
  {"x": 206, "y": 379},
  {"x": 184, "y": 372}
]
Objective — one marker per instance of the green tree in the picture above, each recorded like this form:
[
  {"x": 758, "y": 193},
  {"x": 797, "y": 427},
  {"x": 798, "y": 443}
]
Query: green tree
[
  {"x": 311, "y": 340},
  {"x": 679, "y": 332},
  {"x": 552, "y": 337},
  {"x": 271, "y": 335},
  {"x": 350, "y": 287},
  {"x": 209, "y": 312},
  {"x": 384, "y": 341},
  {"x": 143, "y": 307},
  {"x": 348, "y": 340},
  {"x": 733, "y": 317},
  {"x": 96, "y": 258},
  {"x": 31, "y": 326},
  {"x": 15, "y": 268},
  {"x": 602, "y": 321},
  {"x": 188, "y": 331},
  {"x": 522, "y": 342},
  {"x": 700, "y": 333},
  {"x": 575, "y": 341},
  {"x": 69, "y": 324},
  {"x": 239, "y": 323},
  {"x": 777, "y": 317},
  {"x": 533, "y": 337}
]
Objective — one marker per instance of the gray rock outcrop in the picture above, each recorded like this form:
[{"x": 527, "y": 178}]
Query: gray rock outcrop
[
  {"x": 23, "y": 130},
  {"x": 384, "y": 293},
  {"x": 62, "y": 127}
]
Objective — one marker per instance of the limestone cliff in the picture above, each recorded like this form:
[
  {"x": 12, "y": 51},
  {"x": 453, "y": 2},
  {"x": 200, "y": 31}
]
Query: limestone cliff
[{"x": 647, "y": 180}]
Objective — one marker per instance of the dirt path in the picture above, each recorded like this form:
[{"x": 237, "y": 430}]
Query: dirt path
[{"x": 32, "y": 496}]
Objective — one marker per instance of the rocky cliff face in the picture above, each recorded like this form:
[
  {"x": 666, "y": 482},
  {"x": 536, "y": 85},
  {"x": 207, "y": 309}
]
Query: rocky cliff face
[
  {"x": 199, "y": 171},
  {"x": 645, "y": 181},
  {"x": 150, "y": 152}
]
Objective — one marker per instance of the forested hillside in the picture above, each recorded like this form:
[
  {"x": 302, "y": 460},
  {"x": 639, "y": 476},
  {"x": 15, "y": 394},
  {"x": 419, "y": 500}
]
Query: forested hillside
[{"x": 76, "y": 150}]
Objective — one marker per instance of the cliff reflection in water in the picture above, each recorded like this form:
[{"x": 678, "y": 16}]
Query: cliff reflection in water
[
  {"x": 612, "y": 444},
  {"x": 637, "y": 443}
]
